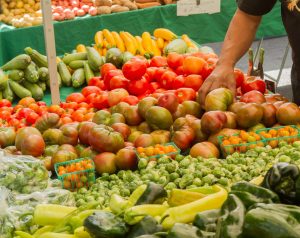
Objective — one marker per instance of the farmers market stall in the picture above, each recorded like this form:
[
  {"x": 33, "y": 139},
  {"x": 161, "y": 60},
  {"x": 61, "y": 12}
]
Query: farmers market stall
[{"x": 202, "y": 28}]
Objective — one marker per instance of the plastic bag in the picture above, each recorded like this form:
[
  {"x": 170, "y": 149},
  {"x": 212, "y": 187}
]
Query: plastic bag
[{"x": 22, "y": 174}]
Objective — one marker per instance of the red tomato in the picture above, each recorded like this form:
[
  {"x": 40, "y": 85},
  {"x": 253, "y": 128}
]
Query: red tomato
[
  {"x": 41, "y": 103},
  {"x": 185, "y": 94},
  {"x": 193, "y": 81},
  {"x": 109, "y": 75},
  {"x": 83, "y": 105},
  {"x": 131, "y": 100},
  {"x": 75, "y": 97},
  {"x": 71, "y": 105},
  {"x": 98, "y": 82},
  {"x": 159, "y": 72},
  {"x": 26, "y": 101},
  {"x": 179, "y": 70},
  {"x": 66, "y": 120},
  {"x": 5, "y": 115},
  {"x": 42, "y": 110},
  {"x": 239, "y": 77},
  {"x": 77, "y": 116},
  {"x": 89, "y": 90},
  {"x": 106, "y": 68},
  {"x": 14, "y": 122},
  {"x": 134, "y": 69},
  {"x": 193, "y": 65},
  {"x": 32, "y": 117},
  {"x": 34, "y": 107},
  {"x": 158, "y": 61},
  {"x": 154, "y": 86},
  {"x": 5, "y": 103},
  {"x": 167, "y": 79},
  {"x": 23, "y": 113},
  {"x": 138, "y": 87},
  {"x": 150, "y": 74},
  {"x": 178, "y": 82},
  {"x": 253, "y": 83},
  {"x": 90, "y": 98},
  {"x": 206, "y": 71},
  {"x": 175, "y": 60},
  {"x": 100, "y": 101},
  {"x": 118, "y": 82}
]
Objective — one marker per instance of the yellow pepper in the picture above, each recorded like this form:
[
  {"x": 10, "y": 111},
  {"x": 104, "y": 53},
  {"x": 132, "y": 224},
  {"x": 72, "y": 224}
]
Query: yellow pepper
[
  {"x": 42, "y": 230},
  {"x": 80, "y": 232}
]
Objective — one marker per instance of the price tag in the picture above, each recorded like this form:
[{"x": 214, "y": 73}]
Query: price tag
[{"x": 190, "y": 7}]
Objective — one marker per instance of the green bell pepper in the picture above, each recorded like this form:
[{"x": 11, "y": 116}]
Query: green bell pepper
[
  {"x": 147, "y": 226},
  {"x": 251, "y": 194},
  {"x": 207, "y": 220},
  {"x": 284, "y": 179},
  {"x": 180, "y": 230},
  {"x": 117, "y": 204}
]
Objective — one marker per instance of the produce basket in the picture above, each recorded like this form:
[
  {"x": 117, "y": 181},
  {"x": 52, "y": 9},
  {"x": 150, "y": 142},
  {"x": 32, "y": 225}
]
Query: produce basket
[
  {"x": 156, "y": 151},
  {"x": 272, "y": 136},
  {"x": 75, "y": 174}
]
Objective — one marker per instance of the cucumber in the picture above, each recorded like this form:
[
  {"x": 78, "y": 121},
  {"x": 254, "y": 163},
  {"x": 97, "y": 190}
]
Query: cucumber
[
  {"x": 42, "y": 85},
  {"x": 3, "y": 80},
  {"x": 38, "y": 58},
  {"x": 88, "y": 72},
  {"x": 64, "y": 74},
  {"x": 19, "y": 90},
  {"x": 36, "y": 91},
  {"x": 76, "y": 56},
  {"x": 16, "y": 75},
  {"x": 31, "y": 73},
  {"x": 19, "y": 62},
  {"x": 58, "y": 79},
  {"x": 94, "y": 59},
  {"x": 43, "y": 73},
  {"x": 78, "y": 78},
  {"x": 8, "y": 93},
  {"x": 77, "y": 64}
]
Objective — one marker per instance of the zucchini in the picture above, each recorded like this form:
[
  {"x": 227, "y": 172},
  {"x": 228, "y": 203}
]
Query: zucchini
[
  {"x": 68, "y": 58},
  {"x": 42, "y": 85},
  {"x": 8, "y": 93},
  {"x": 87, "y": 72},
  {"x": 43, "y": 73},
  {"x": 19, "y": 90},
  {"x": 38, "y": 58},
  {"x": 76, "y": 64},
  {"x": 3, "y": 80},
  {"x": 78, "y": 78},
  {"x": 64, "y": 74},
  {"x": 16, "y": 75},
  {"x": 31, "y": 73},
  {"x": 36, "y": 91},
  {"x": 19, "y": 62},
  {"x": 94, "y": 59}
]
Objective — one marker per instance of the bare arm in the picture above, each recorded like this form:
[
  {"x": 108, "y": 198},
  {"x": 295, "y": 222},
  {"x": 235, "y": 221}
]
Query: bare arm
[{"x": 239, "y": 37}]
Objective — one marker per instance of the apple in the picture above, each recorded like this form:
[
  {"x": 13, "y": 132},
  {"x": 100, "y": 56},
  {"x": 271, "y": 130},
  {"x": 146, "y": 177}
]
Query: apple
[
  {"x": 105, "y": 163},
  {"x": 249, "y": 115},
  {"x": 168, "y": 101},
  {"x": 126, "y": 159},
  {"x": 205, "y": 150},
  {"x": 288, "y": 114},
  {"x": 213, "y": 121},
  {"x": 218, "y": 100},
  {"x": 144, "y": 140},
  {"x": 253, "y": 96},
  {"x": 269, "y": 117}
]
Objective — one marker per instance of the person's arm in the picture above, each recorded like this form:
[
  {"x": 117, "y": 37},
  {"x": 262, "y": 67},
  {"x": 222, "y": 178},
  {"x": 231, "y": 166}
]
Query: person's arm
[{"x": 239, "y": 38}]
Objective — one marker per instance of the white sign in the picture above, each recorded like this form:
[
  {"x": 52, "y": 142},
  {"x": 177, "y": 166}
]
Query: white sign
[{"x": 190, "y": 7}]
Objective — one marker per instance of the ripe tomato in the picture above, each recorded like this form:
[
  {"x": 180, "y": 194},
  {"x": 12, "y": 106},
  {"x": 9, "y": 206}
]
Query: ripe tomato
[
  {"x": 167, "y": 79},
  {"x": 89, "y": 116},
  {"x": 5, "y": 115},
  {"x": 150, "y": 74},
  {"x": 42, "y": 110},
  {"x": 26, "y": 101},
  {"x": 158, "y": 73},
  {"x": 135, "y": 68},
  {"x": 106, "y": 68},
  {"x": 34, "y": 107},
  {"x": 71, "y": 105},
  {"x": 66, "y": 120},
  {"x": 239, "y": 77},
  {"x": 109, "y": 75},
  {"x": 138, "y": 87},
  {"x": 23, "y": 113},
  {"x": 41, "y": 103},
  {"x": 193, "y": 65},
  {"x": 131, "y": 100},
  {"x": 179, "y": 70},
  {"x": 253, "y": 83},
  {"x": 75, "y": 97},
  {"x": 14, "y": 122},
  {"x": 158, "y": 61},
  {"x": 77, "y": 116},
  {"x": 83, "y": 105},
  {"x": 100, "y": 101},
  {"x": 89, "y": 90},
  {"x": 206, "y": 71},
  {"x": 178, "y": 82},
  {"x": 32, "y": 117},
  {"x": 193, "y": 81},
  {"x": 185, "y": 94},
  {"x": 154, "y": 86},
  {"x": 175, "y": 60},
  {"x": 98, "y": 82},
  {"x": 5, "y": 103},
  {"x": 118, "y": 82}
]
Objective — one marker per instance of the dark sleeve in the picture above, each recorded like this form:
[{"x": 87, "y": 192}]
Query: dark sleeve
[{"x": 256, "y": 7}]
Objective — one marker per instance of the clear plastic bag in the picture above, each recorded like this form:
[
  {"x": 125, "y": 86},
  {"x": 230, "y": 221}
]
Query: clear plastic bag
[{"x": 22, "y": 174}]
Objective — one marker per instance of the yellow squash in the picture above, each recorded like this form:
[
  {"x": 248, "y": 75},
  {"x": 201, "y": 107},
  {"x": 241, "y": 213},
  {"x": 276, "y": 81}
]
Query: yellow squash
[
  {"x": 99, "y": 39},
  {"x": 80, "y": 48},
  {"x": 109, "y": 38},
  {"x": 188, "y": 41},
  {"x": 119, "y": 41},
  {"x": 156, "y": 50},
  {"x": 130, "y": 47},
  {"x": 141, "y": 50},
  {"x": 164, "y": 33},
  {"x": 160, "y": 43},
  {"x": 147, "y": 42}
]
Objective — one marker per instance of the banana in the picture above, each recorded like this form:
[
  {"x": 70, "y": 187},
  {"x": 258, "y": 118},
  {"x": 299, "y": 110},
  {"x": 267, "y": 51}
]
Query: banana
[
  {"x": 110, "y": 39},
  {"x": 164, "y": 33},
  {"x": 130, "y": 47},
  {"x": 99, "y": 39},
  {"x": 119, "y": 41},
  {"x": 147, "y": 42},
  {"x": 188, "y": 41},
  {"x": 160, "y": 43},
  {"x": 80, "y": 48},
  {"x": 141, "y": 49}
]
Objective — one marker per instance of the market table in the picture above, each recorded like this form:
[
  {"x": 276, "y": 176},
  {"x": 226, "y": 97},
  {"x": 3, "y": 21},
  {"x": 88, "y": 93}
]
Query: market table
[{"x": 203, "y": 28}]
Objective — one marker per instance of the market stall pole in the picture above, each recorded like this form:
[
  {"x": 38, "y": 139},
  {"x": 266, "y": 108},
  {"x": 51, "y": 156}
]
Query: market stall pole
[{"x": 50, "y": 50}]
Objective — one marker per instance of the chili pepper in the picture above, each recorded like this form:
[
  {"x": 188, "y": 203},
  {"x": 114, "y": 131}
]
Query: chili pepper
[
  {"x": 117, "y": 204},
  {"x": 148, "y": 225},
  {"x": 80, "y": 232},
  {"x": 284, "y": 179},
  {"x": 230, "y": 224},
  {"x": 23, "y": 234},
  {"x": 43, "y": 230},
  {"x": 187, "y": 212},
  {"x": 207, "y": 220},
  {"x": 77, "y": 220},
  {"x": 183, "y": 231},
  {"x": 56, "y": 235},
  {"x": 135, "y": 214},
  {"x": 179, "y": 197},
  {"x": 251, "y": 194},
  {"x": 137, "y": 193}
]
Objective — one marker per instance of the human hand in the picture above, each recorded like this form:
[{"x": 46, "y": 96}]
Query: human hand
[{"x": 222, "y": 77}]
